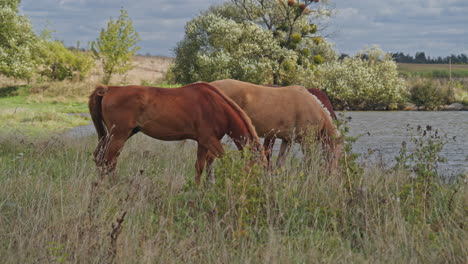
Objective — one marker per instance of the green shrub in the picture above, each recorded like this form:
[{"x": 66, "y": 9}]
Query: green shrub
[
  {"x": 367, "y": 81},
  {"x": 427, "y": 94},
  {"x": 60, "y": 63}
]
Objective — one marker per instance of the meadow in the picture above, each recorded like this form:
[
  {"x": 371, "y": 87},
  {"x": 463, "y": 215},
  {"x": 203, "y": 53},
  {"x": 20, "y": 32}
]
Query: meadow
[
  {"x": 433, "y": 70},
  {"x": 55, "y": 208}
]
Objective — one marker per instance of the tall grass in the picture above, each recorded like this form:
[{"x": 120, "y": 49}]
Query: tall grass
[{"x": 53, "y": 208}]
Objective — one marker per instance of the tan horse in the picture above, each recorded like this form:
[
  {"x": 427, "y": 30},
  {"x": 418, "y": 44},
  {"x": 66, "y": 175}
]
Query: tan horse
[
  {"x": 197, "y": 111},
  {"x": 287, "y": 113}
]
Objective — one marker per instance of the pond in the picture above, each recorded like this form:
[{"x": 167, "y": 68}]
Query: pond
[{"x": 383, "y": 133}]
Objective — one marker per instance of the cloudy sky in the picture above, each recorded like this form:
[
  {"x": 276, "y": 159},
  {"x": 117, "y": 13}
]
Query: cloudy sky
[{"x": 437, "y": 27}]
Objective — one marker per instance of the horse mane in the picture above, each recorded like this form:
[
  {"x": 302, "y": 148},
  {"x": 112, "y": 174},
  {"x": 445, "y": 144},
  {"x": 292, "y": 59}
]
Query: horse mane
[
  {"x": 323, "y": 98},
  {"x": 323, "y": 107},
  {"x": 230, "y": 102}
]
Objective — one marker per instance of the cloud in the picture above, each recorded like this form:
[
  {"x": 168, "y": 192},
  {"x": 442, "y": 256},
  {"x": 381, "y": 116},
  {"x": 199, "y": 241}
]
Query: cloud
[{"x": 434, "y": 26}]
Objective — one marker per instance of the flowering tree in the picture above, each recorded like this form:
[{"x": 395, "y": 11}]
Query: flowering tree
[
  {"x": 366, "y": 81},
  {"x": 261, "y": 41},
  {"x": 17, "y": 41}
]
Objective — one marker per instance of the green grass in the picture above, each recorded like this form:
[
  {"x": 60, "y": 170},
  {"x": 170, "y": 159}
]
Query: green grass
[
  {"x": 51, "y": 211},
  {"x": 433, "y": 70},
  {"x": 21, "y": 113},
  {"x": 45, "y": 108}
]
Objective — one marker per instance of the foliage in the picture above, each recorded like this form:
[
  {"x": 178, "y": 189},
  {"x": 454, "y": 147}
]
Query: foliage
[
  {"x": 17, "y": 42},
  {"x": 60, "y": 63},
  {"x": 365, "y": 82},
  {"x": 428, "y": 94},
  {"x": 423, "y": 191},
  {"x": 216, "y": 48},
  {"x": 257, "y": 41},
  {"x": 116, "y": 46}
]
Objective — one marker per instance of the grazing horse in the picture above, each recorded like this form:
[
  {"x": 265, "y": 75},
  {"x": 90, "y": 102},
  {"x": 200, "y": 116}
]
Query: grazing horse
[
  {"x": 196, "y": 111},
  {"x": 286, "y": 113},
  {"x": 322, "y": 98}
]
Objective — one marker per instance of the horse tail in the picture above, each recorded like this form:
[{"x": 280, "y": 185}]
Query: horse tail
[
  {"x": 238, "y": 110},
  {"x": 94, "y": 104}
]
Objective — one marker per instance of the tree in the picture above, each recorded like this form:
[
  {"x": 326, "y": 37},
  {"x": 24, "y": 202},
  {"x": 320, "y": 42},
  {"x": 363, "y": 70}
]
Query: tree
[
  {"x": 17, "y": 41},
  {"x": 116, "y": 46},
  {"x": 261, "y": 41}
]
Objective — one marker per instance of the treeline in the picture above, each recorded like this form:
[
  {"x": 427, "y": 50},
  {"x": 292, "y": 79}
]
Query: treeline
[{"x": 420, "y": 57}]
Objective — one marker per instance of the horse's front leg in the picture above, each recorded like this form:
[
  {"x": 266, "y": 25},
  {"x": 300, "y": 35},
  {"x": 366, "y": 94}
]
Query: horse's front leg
[
  {"x": 268, "y": 144},
  {"x": 285, "y": 145},
  {"x": 206, "y": 153},
  {"x": 107, "y": 152},
  {"x": 202, "y": 154}
]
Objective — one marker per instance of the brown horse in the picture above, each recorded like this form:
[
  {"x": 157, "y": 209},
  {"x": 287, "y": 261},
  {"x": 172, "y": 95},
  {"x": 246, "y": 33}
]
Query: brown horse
[
  {"x": 322, "y": 96},
  {"x": 196, "y": 111},
  {"x": 286, "y": 113}
]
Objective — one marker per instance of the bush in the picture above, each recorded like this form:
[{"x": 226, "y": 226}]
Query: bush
[
  {"x": 368, "y": 81},
  {"x": 60, "y": 63},
  {"x": 428, "y": 94}
]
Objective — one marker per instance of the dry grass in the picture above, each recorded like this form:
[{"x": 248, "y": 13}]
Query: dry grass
[
  {"x": 53, "y": 211},
  {"x": 150, "y": 69}
]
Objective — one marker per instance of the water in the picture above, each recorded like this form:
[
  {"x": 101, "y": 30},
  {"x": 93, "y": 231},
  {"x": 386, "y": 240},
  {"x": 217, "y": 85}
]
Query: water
[
  {"x": 387, "y": 130},
  {"x": 383, "y": 133}
]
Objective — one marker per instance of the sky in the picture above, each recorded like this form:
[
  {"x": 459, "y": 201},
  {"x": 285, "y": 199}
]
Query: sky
[{"x": 439, "y": 28}]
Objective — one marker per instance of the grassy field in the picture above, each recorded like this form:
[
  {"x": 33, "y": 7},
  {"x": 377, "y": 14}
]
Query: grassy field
[
  {"x": 433, "y": 70},
  {"x": 21, "y": 112},
  {"x": 54, "y": 209},
  {"x": 41, "y": 108}
]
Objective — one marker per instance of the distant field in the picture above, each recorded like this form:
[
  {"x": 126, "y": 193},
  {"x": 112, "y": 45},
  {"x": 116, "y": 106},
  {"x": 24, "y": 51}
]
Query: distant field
[{"x": 433, "y": 70}]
